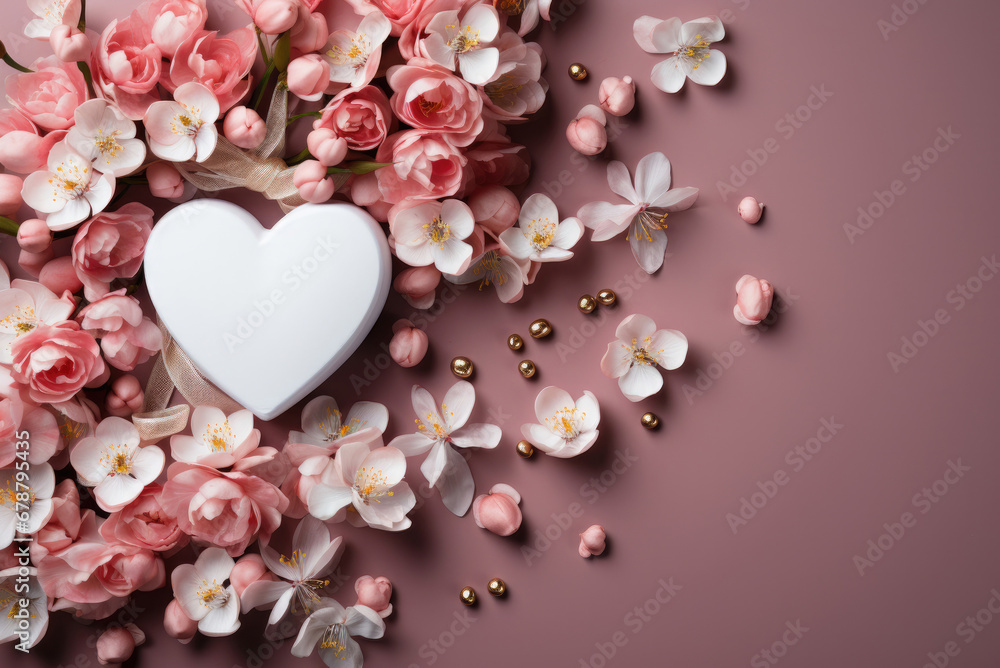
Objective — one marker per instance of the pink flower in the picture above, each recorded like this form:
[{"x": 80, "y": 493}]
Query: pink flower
[
  {"x": 413, "y": 31},
  {"x": 50, "y": 94},
  {"x": 327, "y": 147},
  {"x": 34, "y": 236},
  {"x": 128, "y": 338},
  {"x": 221, "y": 441},
  {"x": 586, "y": 133},
  {"x": 374, "y": 593},
  {"x": 408, "y": 345},
  {"x": 308, "y": 76},
  {"x": 495, "y": 160},
  {"x": 433, "y": 233},
  {"x": 361, "y": 116},
  {"x": 59, "y": 276},
  {"x": 184, "y": 129},
  {"x": 617, "y": 96},
  {"x": 144, "y": 524},
  {"x": 273, "y": 17},
  {"x": 10, "y": 195},
  {"x": 417, "y": 285},
  {"x": 592, "y": 541},
  {"x": 167, "y": 23},
  {"x": 429, "y": 97},
  {"x": 70, "y": 44},
  {"x": 753, "y": 300},
  {"x": 219, "y": 63},
  {"x": 125, "y": 397},
  {"x": 313, "y": 182},
  {"x": 110, "y": 246},
  {"x": 166, "y": 182},
  {"x": 51, "y": 14},
  {"x": 116, "y": 644},
  {"x": 69, "y": 190},
  {"x": 17, "y": 418},
  {"x": 310, "y": 31},
  {"x": 426, "y": 166},
  {"x": 354, "y": 56},
  {"x": 229, "y": 510},
  {"x": 22, "y": 148},
  {"x": 55, "y": 362},
  {"x": 244, "y": 127},
  {"x": 126, "y": 66},
  {"x": 399, "y": 12},
  {"x": 63, "y": 526},
  {"x": 495, "y": 208},
  {"x": 498, "y": 511},
  {"x": 517, "y": 88},
  {"x": 177, "y": 624}
]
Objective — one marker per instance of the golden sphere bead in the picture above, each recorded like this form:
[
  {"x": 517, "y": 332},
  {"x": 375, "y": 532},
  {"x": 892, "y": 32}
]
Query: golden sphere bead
[
  {"x": 525, "y": 449},
  {"x": 587, "y": 304},
  {"x": 468, "y": 595},
  {"x": 510, "y": 7},
  {"x": 650, "y": 421},
  {"x": 527, "y": 368},
  {"x": 515, "y": 342},
  {"x": 497, "y": 587},
  {"x": 540, "y": 328},
  {"x": 577, "y": 72},
  {"x": 607, "y": 297},
  {"x": 462, "y": 367}
]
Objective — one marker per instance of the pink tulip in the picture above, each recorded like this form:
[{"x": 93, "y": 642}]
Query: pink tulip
[
  {"x": 164, "y": 181},
  {"x": 249, "y": 569},
  {"x": 10, "y": 194},
  {"x": 177, "y": 624},
  {"x": 586, "y": 133},
  {"x": 617, "y": 96},
  {"x": 753, "y": 300},
  {"x": 69, "y": 44},
  {"x": 495, "y": 208},
  {"x": 593, "y": 541},
  {"x": 374, "y": 593},
  {"x": 273, "y": 17},
  {"x": 750, "y": 210},
  {"x": 244, "y": 127},
  {"x": 498, "y": 511},
  {"x": 327, "y": 147},
  {"x": 308, "y": 76},
  {"x": 34, "y": 236},
  {"x": 59, "y": 275},
  {"x": 33, "y": 262},
  {"x": 117, "y": 643},
  {"x": 125, "y": 397},
  {"x": 408, "y": 345},
  {"x": 417, "y": 285},
  {"x": 313, "y": 183}
]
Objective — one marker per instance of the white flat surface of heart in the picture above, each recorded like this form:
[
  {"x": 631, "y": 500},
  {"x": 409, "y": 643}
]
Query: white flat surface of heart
[{"x": 267, "y": 315}]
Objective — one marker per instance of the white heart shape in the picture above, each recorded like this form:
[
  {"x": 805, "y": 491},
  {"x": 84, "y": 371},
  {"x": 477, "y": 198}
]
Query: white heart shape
[{"x": 267, "y": 315}]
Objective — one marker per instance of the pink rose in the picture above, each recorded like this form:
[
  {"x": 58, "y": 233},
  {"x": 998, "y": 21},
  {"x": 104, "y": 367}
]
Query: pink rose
[
  {"x": 126, "y": 66},
  {"x": 54, "y": 362},
  {"x": 22, "y": 148},
  {"x": 110, "y": 246},
  {"x": 128, "y": 338},
  {"x": 399, "y": 12},
  {"x": 426, "y": 166},
  {"x": 361, "y": 116},
  {"x": 228, "y": 510},
  {"x": 429, "y": 97},
  {"x": 219, "y": 63},
  {"x": 167, "y": 23},
  {"x": 49, "y": 95},
  {"x": 143, "y": 523}
]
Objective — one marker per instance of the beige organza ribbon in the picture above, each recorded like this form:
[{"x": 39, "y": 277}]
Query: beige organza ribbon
[
  {"x": 261, "y": 170},
  {"x": 175, "y": 370}
]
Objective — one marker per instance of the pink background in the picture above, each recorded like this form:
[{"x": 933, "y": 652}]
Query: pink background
[{"x": 846, "y": 306}]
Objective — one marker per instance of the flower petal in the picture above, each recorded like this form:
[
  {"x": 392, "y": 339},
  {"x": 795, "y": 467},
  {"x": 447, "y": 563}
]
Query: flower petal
[
  {"x": 648, "y": 247},
  {"x": 641, "y": 381},
  {"x": 669, "y": 348},
  {"x": 456, "y": 484},
  {"x": 620, "y": 181},
  {"x": 458, "y": 403},
  {"x": 708, "y": 28},
  {"x": 669, "y": 75},
  {"x": 652, "y": 177},
  {"x": 636, "y": 327},
  {"x": 550, "y": 401},
  {"x": 711, "y": 70}
]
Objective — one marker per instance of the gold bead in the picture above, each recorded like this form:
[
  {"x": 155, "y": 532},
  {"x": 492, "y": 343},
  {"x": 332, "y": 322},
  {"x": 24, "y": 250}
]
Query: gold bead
[
  {"x": 510, "y": 7},
  {"x": 497, "y": 587},
  {"x": 527, "y": 368},
  {"x": 577, "y": 72},
  {"x": 468, "y": 595},
  {"x": 525, "y": 449},
  {"x": 607, "y": 297},
  {"x": 462, "y": 367},
  {"x": 650, "y": 421},
  {"x": 587, "y": 304},
  {"x": 515, "y": 342},
  {"x": 540, "y": 328}
]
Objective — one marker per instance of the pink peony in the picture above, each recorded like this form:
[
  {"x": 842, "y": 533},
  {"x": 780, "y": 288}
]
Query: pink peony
[
  {"x": 361, "y": 116},
  {"x": 429, "y": 97},
  {"x": 228, "y": 510},
  {"x": 143, "y": 523},
  {"x": 127, "y": 337},
  {"x": 127, "y": 66},
  {"x": 54, "y": 362},
  {"x": 110, "y": 246},
  {"x": 426, "y": 166},
  {"x": 219, "y": 63},
  {"x": 49, "y": 95},
  {"x": 167, "y": 23}
]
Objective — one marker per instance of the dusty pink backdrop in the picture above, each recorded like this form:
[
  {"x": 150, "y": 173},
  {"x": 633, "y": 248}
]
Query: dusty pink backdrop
[{"x": 787, "y": 580}]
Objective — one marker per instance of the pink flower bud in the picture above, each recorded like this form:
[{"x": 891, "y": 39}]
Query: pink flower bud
[
  {"x": 313, "y": 183},
  {"x": 586, "y": 132},
  {"x": 274, "y": 17},
  {"x": 593, "y": 541},
  {"x": 125, "y": 396},
  {"x": 375, "y": 593},
  {"x": 249, "y": 569},
  {"x": 750, "y": 210},
  {"x": 417, "y": 285},
  {"x": 498, "y": 511},
  {"x": 69, "y": 44},
  {"x": 326, "y": 146},
  {"x": 244, "y": 127},
  {"x": 617, "y": 96},
  {"x": 310, "y": 32},
  {"x": 10, "y": 194},
  {"x": 34, "y": 236},
  {"x": 59, "y": 275},
  {"x": 495, "y": 208},
  {"x": 753, "y": 300},
  {"x": 164, "y": 181},
  {"x": 408, "y": 345},
  {"x": 33, "y": 262},
  {"x": 177, "y": 624},
  {"x": 117, "y": 643},
  {"x": 308, "y": 76}
]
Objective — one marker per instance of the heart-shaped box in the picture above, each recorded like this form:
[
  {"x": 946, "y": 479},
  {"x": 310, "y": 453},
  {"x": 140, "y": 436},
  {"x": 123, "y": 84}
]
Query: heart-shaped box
[{"x": 267, "y": 315}]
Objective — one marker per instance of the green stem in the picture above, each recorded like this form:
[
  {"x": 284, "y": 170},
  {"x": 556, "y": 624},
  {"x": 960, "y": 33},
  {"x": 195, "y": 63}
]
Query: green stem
[
  {"x": 13, "y": 63},
  {"x": 292, "y": 119},
  {"x": 83, "y": 16},
  {"x": 262, "y": 86},
  {"x": 300, "y": 158},
  {"x": 8, "y": 226},
  {"x": 85, "y": 69}
]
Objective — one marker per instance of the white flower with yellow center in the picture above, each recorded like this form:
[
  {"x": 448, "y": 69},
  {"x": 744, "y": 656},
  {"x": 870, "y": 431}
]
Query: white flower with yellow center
[
  {"x": 690, "y": 43},
  {"x": 105, "y": 137},
  {"x": 184, "y": 128},
  {"x": 22, "y": 597},
  {"x": 507, "y": 274},
  {"x": 323, "y": 424},
  {"x": 32, "y": 494},
  {"x": 331, "y": 631},
  {"x": 217, "y": 440},
  {"x": 112, "y": 462},
  {"x": 69, "y": 191},
  {"x": 565, "y": 428},
  {"x": 354, "y": 56},
  {"x": 434, "y": 233},
  {"x": 203, "y": 591},
  {"x": 640, "y": 347},
  {"x": 51, "y": 14},
  {"x": 465, "y": 42},
  {"x": 24, "y": 306},
  {"x": 539, "y": 235}
]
